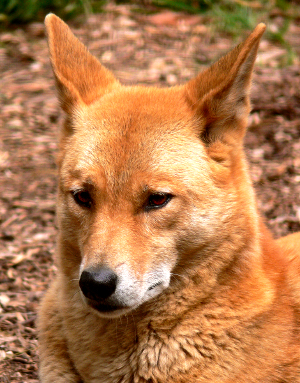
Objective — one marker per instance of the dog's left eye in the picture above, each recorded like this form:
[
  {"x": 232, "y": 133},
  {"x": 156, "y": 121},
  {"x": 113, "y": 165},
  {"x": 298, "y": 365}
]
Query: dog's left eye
[
  {"x": 82, "y": 198},
  {"x": 157, "y": 200}
]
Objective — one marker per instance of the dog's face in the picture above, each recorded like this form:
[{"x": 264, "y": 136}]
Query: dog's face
[
  {"x": 135, "y": 194},
  {"x": 149, "y": 178}
]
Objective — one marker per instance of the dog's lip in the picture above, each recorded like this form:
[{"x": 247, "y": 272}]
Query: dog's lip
[
  {"x": 154, "y": 285},
  {"x": 105, "y": 308}
]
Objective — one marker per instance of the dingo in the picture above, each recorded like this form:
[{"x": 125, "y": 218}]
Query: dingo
[{"x": 166, "y": 272}]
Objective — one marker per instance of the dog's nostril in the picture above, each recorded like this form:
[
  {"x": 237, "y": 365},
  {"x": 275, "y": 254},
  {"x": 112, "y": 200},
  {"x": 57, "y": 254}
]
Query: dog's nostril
[{"x": 98, "y": 283}]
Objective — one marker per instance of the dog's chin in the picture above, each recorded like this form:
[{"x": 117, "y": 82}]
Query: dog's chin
[
  {"x": 107, "y": 310},
  {"x": 110, "y": 314}
]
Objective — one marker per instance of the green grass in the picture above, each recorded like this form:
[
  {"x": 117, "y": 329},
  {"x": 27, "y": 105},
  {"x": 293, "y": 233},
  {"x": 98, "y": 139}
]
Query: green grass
[
  {"x": 23, "y": 11},
  {"x": 234, "y": 17},
  {"x": 229, "y": 16}
]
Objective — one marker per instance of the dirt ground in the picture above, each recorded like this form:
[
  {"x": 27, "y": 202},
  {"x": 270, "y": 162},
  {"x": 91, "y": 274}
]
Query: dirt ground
[{"x": 163, "y": 50}]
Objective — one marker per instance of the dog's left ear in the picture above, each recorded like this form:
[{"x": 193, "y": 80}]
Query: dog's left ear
[{"x": 220, "y": 95}]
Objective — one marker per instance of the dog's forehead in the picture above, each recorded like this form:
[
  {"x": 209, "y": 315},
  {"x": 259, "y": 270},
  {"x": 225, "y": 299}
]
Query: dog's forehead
[
  {"x": 140, "y": 110},
  {"x": 135, "y": 123},
  {"x": 135, "y": 132}
]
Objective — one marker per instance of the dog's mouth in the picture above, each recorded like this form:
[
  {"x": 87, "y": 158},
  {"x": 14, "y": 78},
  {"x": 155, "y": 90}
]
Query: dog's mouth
[
  {"x": 110, "y": 308},
  {"x": 154, "y": 285},
  {"x": 106, "y": 308}
]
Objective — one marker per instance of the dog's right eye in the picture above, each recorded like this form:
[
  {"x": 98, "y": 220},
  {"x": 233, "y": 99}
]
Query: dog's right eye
[
  {"x": 158, "y": 200},
  {"x": 82, "y": 198}
]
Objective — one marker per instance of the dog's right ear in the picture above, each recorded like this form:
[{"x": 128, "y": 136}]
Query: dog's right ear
[{"x": 80, "y": 78}]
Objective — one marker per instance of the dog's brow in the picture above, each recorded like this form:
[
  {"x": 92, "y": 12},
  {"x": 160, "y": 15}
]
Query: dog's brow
[
  {"x": 145, "y": 189},
  {"x": 89, "y": 182}
]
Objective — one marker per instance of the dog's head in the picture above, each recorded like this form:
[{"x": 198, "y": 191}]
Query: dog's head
[{"x": 150, "y": 180}]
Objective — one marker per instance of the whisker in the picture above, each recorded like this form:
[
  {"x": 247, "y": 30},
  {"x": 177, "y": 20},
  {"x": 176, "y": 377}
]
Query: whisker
[{"x": 76, "y": 292}]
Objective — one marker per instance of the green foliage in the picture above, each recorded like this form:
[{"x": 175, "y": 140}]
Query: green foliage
[
  {"x": 22, "y": 11},
  {"x": 231, "y": 16},
  {"x": 229, "y": 5},
  {"x": 234, "y": 17},
  {"x": 188, "y": 6}
]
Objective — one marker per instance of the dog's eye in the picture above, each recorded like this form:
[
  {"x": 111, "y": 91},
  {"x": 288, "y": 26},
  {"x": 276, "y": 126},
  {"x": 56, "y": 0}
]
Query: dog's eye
[
  {"x": 82, "y": 198},
  {"x": 158, "y": 200}
]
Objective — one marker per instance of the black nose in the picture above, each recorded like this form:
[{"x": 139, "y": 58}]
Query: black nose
[{"x": 98, "y": 283}]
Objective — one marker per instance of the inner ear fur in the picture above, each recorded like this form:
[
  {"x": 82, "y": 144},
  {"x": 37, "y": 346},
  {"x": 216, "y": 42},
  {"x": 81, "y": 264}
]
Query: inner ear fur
[
  {"x": 80, "y": 78},
  {"x": 220, "y": 94}
]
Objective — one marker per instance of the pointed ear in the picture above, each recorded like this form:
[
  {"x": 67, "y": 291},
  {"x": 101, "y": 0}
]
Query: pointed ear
[
  {"x": 220, "y": 95},
  {"x": 80, "y": 78}
]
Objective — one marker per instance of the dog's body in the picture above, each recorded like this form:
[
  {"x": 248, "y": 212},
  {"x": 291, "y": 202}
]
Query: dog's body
[{"x": 166, "y": 272}]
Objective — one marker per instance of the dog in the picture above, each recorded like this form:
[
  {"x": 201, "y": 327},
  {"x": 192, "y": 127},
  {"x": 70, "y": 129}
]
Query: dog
[{"x": 166, "y": 271}]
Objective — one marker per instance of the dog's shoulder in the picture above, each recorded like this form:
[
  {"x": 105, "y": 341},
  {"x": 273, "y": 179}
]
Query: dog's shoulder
[
  {"x": 290, "y": 249},
  {"x": 290, "y": 246}
]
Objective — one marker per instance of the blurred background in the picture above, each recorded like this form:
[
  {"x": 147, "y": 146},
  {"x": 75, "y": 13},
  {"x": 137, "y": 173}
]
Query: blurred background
[{"x": 161, "y": 43}]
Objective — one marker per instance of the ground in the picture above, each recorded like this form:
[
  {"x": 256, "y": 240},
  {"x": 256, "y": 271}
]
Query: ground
[{"x": 163, "y": 50}]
